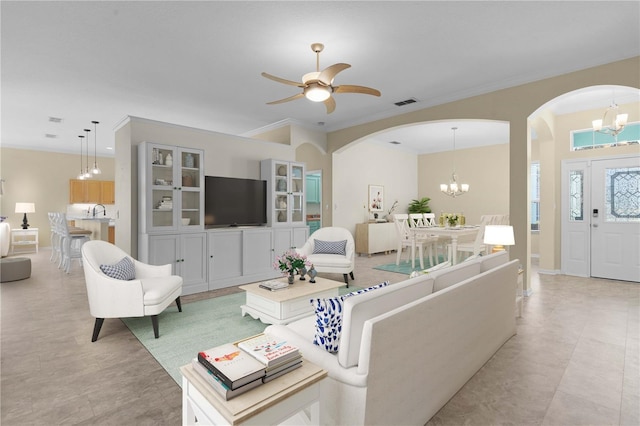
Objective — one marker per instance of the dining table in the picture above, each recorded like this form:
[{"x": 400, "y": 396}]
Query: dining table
[{"x": 453, "y": 232}]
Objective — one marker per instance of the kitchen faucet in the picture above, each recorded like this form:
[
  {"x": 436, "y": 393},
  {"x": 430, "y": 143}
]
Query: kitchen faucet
[{"x": 104, "y": 210}]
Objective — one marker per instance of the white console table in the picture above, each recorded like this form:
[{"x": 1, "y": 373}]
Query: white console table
[
  {"x": 271, "y": 403},
  {"x": 24, "y": 240}
]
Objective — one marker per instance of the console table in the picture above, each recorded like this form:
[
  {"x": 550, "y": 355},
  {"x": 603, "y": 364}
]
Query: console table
[
  {"x": 24, "y": 240},
  {"x": 271, "y": 403},
  {"x": 376, "y": 237}
]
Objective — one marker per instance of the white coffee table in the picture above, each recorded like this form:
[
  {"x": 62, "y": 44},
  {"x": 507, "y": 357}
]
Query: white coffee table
[{"x": 285, "y": 306}]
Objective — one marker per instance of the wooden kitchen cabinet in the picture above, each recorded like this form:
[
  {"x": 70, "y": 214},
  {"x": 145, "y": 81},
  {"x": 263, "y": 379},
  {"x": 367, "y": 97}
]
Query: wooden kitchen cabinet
[{"x": 91, "y": 191}]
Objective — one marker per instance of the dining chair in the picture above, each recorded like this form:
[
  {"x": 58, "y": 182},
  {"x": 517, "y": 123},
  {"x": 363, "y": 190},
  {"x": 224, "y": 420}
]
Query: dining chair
[
  {"x": 406, "y": 239},
  {"x": 429, "y": 241},
  {"x": 477, "y": 246}
]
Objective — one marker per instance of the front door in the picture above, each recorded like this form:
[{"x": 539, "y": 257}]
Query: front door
[{"x": 615, "y": 219}]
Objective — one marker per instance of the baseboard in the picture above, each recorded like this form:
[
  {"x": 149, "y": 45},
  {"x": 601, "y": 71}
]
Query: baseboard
[{"x": 549, "y": 272}]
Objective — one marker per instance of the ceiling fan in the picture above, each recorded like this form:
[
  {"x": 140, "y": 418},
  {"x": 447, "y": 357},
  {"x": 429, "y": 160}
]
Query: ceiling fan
[{"x": 318, "y": 86}]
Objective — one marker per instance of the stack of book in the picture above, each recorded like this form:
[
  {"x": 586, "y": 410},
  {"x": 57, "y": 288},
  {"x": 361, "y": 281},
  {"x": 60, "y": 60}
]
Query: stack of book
[
  {"x": 229, "y": 370},
  {"x": 274, "y": 285},
  {"x": 277, "y": 356}
]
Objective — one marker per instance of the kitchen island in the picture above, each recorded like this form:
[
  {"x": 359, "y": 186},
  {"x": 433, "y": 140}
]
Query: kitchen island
[{"x": 98, "y": 226}]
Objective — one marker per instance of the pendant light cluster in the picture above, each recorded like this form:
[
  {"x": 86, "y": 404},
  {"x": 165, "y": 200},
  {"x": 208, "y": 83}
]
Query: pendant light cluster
[{"x": 85, "y": 172}]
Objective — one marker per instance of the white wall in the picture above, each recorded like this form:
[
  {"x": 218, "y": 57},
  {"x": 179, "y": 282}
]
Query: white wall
[{"x": 361, "y": 165}]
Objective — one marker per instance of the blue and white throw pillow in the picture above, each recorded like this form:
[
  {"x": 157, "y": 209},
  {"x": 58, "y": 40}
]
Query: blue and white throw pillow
[
  {"x": 123, "y": 270},
  {"x": 329, "y": 318},
  {"x": 330, "y": 247}
]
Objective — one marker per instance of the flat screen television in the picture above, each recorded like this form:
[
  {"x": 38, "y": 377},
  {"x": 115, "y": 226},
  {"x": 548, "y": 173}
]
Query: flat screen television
[{"x": 234, "y": 201}]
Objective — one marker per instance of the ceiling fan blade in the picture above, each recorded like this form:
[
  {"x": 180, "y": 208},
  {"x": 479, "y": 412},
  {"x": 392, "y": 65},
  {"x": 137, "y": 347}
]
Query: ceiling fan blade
[
  {"x": 349, "y": 88},
  {"x": 327, "y": 75},
  {"x": 282, "y": 80},
  {"x": 330, "y": 103},
  {"x": 290, "y": 98}
]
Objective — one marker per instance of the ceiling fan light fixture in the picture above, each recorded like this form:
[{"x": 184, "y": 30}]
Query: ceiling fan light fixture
[{"x": 317, "y": 93}]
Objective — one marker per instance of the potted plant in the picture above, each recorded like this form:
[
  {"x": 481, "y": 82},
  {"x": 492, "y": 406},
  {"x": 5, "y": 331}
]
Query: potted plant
[{"x": 420, "y": 206}]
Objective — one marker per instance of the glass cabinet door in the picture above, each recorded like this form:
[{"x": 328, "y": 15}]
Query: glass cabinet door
[
  {"x": 190, "y": 188},
  {"x": 162, "y": 186},
  {"x": 297, "y": 194}
]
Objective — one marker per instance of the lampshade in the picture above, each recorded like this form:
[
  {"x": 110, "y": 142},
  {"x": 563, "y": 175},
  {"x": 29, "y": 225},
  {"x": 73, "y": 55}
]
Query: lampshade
[
  {"x": 317, "y": 93},
  {"x": 25, "y": 208},
  {"x": 499, "y": 236}
]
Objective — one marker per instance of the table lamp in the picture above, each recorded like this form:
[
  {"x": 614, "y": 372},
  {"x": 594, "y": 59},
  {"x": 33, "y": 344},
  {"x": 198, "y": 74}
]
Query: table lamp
[
  {"x": 25, "y": 208},
  {"x": 498, "y": 236}
]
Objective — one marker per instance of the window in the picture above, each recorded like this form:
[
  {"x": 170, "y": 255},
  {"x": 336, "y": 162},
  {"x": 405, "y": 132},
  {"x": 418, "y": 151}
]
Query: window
[
  {"x": 588, "y": 139},
  {"x": 535, "y": 196}
]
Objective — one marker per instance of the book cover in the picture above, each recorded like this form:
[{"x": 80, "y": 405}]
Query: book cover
[
  {"x": 281, "y": 373},
  {"x": 269, "y": 349},
  {"x": 231, "y": 365},
  {"x": 217, "y": 384}
]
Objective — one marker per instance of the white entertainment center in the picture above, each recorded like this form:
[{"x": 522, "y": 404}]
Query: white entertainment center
[{"x": 171, "y": 218}]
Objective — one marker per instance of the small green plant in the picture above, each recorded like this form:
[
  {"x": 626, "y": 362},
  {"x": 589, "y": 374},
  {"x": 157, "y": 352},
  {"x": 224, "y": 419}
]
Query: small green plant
[{"x": 420, "y": 206}]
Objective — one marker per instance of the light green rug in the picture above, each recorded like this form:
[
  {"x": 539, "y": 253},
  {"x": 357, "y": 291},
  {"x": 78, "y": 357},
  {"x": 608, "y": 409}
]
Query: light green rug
[
  {"x": 405, "y": 266},
  {"x": 201, "y": 325}
]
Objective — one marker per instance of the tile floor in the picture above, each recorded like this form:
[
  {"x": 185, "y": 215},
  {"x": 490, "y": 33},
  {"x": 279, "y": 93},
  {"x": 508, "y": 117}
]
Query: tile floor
[{"x": 574, "y": 361}]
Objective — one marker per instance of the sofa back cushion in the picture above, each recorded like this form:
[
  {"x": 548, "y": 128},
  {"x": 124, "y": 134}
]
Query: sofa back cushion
[
  {"x": 449, "y": 276},
  {"x": 357, "y": 310},
  {"x": 493, "y": 260}
]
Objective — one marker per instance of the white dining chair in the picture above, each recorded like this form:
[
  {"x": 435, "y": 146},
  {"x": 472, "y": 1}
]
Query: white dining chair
[{"x": 406, "y": 239}]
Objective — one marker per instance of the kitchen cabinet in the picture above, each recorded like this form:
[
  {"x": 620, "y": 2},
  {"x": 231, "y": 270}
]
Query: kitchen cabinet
[
  {"x": 171, "y": 182},
  {"x": 91, "y": 191},
  {"x": 112, "y": 235},
  {"x": 313, "y": 189},
  {"x": 285, "y": 192},
  {"x": 186, "y": 254}
]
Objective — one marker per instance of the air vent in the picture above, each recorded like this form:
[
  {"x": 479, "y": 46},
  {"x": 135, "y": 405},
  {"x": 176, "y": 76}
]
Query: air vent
[
  {"x": 55, "y": 120},
  {"x": 50, "y": 136},
  {"x": 394, "y": 143},
  {"x": 406, "y": 102}
]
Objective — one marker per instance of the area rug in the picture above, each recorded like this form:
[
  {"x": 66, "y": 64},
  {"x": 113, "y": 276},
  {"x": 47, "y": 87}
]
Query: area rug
[
  {"x": 405, "y": 266},
  {"x": 201, "y": 325}
]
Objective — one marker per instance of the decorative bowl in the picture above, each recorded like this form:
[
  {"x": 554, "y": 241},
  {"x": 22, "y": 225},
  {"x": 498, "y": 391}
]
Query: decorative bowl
[{"x": 186, "y": 221}]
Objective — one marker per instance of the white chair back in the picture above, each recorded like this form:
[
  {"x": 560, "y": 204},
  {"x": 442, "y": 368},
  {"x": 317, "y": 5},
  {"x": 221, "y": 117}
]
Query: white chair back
[
  {"x": 429, "y": 219},
  {"x": 402, "y": 226},
  {"x": 416, "y": 220}
]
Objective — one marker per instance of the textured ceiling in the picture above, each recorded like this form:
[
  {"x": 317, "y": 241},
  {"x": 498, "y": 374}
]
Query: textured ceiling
[{"x": 198, "y": 64}]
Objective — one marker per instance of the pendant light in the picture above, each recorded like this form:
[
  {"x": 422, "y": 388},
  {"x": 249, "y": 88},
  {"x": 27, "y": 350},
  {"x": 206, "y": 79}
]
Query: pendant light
[
  {"x": 453, "y": 189},
  {"x": 96, "y": 170},
  {"x": 81, "y": 174},
  {"x": 87, "y": 173}
]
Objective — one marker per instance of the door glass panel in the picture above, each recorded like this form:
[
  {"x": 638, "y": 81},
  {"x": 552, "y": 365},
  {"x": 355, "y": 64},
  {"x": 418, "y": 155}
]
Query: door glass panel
[
  {"x": 576, "y": 195},
  {"x": 296, "y": 211},
  {"x": 622, "y": 194},
  {"x": 281, "y": 208}
]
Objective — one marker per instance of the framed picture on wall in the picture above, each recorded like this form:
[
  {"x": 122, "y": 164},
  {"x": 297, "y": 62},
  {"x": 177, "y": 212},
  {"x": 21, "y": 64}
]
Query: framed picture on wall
[{"x": 376, "y": 198}]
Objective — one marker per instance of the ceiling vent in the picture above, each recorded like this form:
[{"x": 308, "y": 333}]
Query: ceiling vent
[
  {"x": 50, "y": 136},
  {"x": 55, "y": 120},
  {"x": 406, "y": 102}
]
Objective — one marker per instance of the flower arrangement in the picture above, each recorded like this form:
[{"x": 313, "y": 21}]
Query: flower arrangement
[
  {"x": 291, "y": 262},
  {"x": 452, "y": 219}
]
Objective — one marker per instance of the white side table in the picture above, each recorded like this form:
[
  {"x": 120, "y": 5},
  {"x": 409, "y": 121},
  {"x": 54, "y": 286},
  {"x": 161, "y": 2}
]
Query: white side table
[
  {"x": 24, "y": 240},
  {"x": 270, "y": 403}
]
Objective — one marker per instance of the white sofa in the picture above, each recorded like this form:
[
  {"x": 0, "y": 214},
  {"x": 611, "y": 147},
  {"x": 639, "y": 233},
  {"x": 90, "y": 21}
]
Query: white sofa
[{"x": 407, "y": 348}]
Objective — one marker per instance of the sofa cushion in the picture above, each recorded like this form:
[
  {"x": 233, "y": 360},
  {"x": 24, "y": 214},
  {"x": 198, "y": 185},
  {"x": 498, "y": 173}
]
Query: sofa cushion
[
  {"x": 330, "y": 247},
  {"x": 328, "y": 322},
  {"x": 359, "y": 309},
  {"x": 493, "y": 260},
  {"x": 329, "y": 260},
  {"x": 123, "y": 270},
  {"x": 450, "y": 276}
]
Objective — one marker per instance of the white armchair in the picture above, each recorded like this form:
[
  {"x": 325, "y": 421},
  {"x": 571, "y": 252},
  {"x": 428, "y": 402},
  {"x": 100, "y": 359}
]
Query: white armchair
[
  {"x": 148, "y": 294},
  {"x": 330, "y": 262}
]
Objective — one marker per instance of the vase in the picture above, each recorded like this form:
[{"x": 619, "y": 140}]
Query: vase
[
  {"x": 290, "y": 277},
  {"x": 303, "y": 272},
  {"x": 312, "y": 274}
]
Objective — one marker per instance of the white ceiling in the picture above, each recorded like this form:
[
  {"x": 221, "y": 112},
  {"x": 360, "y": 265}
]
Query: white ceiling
[{"x": 198, "y": 64}]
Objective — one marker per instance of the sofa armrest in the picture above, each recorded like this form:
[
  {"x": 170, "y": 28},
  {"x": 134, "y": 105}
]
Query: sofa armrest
[{"x": 325, "y": 360}]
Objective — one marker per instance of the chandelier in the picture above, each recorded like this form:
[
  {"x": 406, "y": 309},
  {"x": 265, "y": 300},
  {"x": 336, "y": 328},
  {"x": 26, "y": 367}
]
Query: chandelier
[
  {"x": 612, "y": 122},
  {"x": 454, "y": 189}
]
